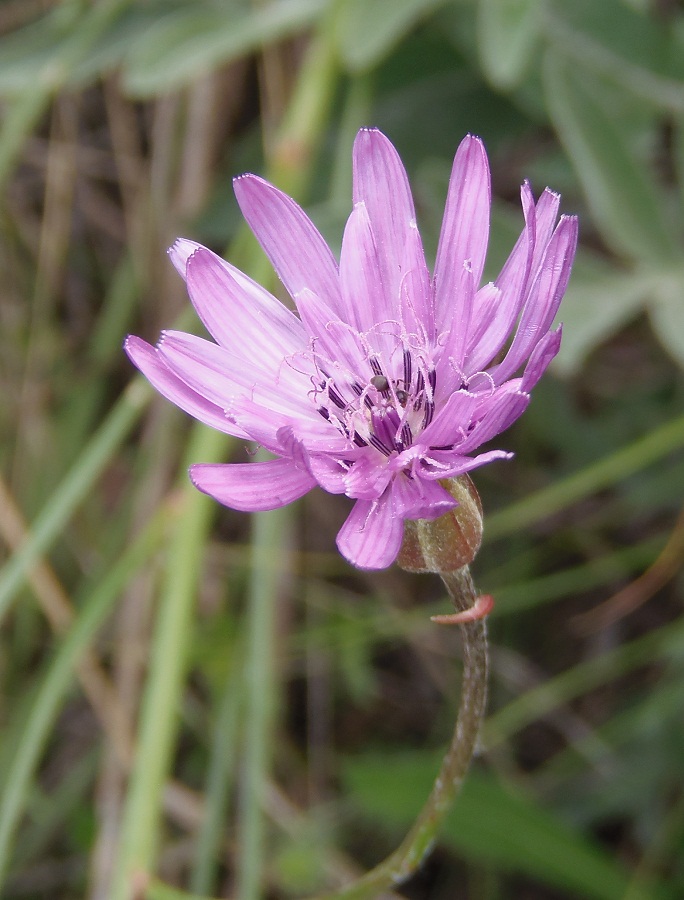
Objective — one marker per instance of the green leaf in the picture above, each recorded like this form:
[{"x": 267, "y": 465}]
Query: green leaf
[
  {"x": 635, "y": 50},
  {"x": 667, "y": 313},
  {"x": 619, "y": 191},
  {"x": 594, "y": 310},
  {"x": 490, "y": 824},
  {"x": 507, "y": 33},
  {"x": 196, "y": 39},
  {"x": 366, "y": 30}
]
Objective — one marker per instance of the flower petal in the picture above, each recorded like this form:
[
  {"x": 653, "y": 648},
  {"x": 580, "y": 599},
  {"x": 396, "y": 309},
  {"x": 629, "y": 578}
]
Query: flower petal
[
  {"x": 239, "y": 314},
  {"x": 221, "y": 376},
  {"x": 450, "y": 367},
  {"x": 253, "y": 486},
  {"x": 500, "y": 411},
  {"x": 371, "y": 536},
  {"x": 452, "y": 421},
  {"x": 333, "y": 338},
  {"x": 297, "y": 250},
  {"x": 545, "y": 351},
  {"x": 445, "y": 464},
  {"x": 417, "y": 300},
  {"x": 546, "y": 214},
  {"x": 180, "y": 252},
  {"x": 495, "y": 317},
  {"x": 416, "y": 498},
  {"x": 465, "y": 228},
  {"x": 366, "y": 303},
  {"x": 169, "y": 385},
  {"x": 545, "y": 296},
  {"x": 381, "y": 184},
  {"x": 367, "y": 478}
]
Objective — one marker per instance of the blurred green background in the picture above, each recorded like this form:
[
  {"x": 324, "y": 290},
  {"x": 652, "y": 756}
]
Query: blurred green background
[{"x": 221, "y": 702}]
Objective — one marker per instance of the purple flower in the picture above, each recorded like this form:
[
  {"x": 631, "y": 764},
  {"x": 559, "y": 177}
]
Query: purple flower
[{"x": 385, "y": 383}]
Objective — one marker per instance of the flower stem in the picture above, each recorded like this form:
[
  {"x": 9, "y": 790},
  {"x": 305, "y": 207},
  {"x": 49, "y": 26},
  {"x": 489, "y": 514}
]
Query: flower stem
[{"x": 406, "y": 859}]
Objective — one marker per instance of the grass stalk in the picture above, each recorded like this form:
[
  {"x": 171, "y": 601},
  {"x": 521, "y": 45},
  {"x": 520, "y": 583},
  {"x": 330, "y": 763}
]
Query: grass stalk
[
  {"x": 607, "y": 471},
  {"x": 161, "y": 702},
  {"x": 269, "y": 552},
  {"x": 58, "y": 677}
]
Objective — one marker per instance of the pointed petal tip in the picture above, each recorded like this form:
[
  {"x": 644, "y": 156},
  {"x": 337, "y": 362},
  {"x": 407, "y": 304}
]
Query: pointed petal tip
[
  {"x": 180, "y": 252},
  {"x": 473, "y": 143},
  {"x": 371, "y": 143},
  {"x": 473, "y": 138},
  {"x": 569, "y": 224},
  {"x": 134, "y": 347},
  {"x": 248, "y": 180},
  {"x": 370, "y": 133}
]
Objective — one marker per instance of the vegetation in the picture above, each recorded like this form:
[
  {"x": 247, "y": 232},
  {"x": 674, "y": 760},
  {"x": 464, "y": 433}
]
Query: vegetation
[{"x": 195, "y": 700}]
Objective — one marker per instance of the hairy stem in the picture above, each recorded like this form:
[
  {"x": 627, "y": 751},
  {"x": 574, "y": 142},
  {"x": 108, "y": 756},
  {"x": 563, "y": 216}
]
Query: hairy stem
[{"x": 406, "y": 859}]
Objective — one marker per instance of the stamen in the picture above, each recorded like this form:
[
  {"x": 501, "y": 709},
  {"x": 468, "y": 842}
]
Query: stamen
[
  {"x": 375, "y": 441},
  {"x": 335, "y": 397},
  {"x": 420, "y": 388},
  {"x": 408, "y": 365},
  {"x": 380, "y": 383},
  {"x": 375, "y": 366}
]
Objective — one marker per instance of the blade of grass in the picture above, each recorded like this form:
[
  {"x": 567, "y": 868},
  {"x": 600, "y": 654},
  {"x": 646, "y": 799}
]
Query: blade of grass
[
  {"x": 218, "y": 783},
  {"x": 270, "y": 539},
  {"x": 59, "y": 675},
  {"x": 582, "y": 678},
  {"x": 73, "y": 489},
  {"x": 607, "y": 471},
  {"x": 159, "y": 714},
  {"x": 25, "y": 111}
]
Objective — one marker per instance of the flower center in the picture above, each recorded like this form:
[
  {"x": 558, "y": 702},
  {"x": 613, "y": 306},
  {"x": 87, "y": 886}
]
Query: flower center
[{"x": 387, "y": 412}]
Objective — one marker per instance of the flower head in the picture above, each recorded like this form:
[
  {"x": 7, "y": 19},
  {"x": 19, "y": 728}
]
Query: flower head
[{"x": 385, "y": 383}]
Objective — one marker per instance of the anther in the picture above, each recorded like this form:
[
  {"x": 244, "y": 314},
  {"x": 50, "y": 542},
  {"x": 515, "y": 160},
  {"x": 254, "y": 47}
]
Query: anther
[{"x": 380, "y": 383}]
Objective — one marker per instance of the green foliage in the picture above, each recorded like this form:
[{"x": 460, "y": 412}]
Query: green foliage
[
  {"x": 493, "y": 824},
  {"x": 288, "y": 713}
]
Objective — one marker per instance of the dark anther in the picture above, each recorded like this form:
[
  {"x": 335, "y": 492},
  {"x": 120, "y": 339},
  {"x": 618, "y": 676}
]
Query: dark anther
[{"x": 408, "y": 369}]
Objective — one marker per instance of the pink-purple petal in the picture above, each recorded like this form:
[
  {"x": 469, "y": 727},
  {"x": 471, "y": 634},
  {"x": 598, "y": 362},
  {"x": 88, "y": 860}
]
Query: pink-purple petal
[
  {"x": 544, "y": 299},
  {"x": 180, "y": 252},
  {"x": 147, "y": 359},
  {"x": 239, "y": 314},
  {"x": 546, "y": 215},
  {"x": 465, "y": 228},
  {"x": 542, "y": 355},
  {"x": 254, "y": 486},
  {"x": 331, "y": 337},
  {"x": 452, "y": 420},
  {"x": 221, "y": 376},
  {"x": 500, "y": 412},
  {"x": 297, "y": 250},
  {"x": 494, "y": 320},
  {"x": 366, "y": 301},
  {"x": 416, "y": 498},
  {"x": 381, "y": 184},
  {"x": 415, "y": 290},
  {"x": 450, "y": 368},
  {"x": 446, "y": 464},
  {"x": 371, "y": 536}
]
